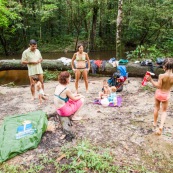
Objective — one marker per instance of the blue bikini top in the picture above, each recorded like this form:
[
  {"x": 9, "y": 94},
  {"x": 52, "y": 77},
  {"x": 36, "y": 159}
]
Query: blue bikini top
[{"x": 64, "y": 99}]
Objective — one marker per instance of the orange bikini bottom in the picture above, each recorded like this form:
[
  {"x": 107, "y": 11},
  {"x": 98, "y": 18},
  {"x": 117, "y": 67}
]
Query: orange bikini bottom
[{"x": 162, "y": 96}]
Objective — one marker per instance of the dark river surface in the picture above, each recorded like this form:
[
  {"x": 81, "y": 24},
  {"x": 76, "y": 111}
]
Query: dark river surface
[
  {"x": 20, "y": 77},
  {"x": 102, "y": 55}
]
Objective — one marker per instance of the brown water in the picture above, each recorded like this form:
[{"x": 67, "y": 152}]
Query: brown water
[
  {"x": 18, "y": 77},
  {"x": 102, "y": 55}
]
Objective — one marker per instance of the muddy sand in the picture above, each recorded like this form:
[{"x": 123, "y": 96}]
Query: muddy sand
[{"x": 127, "y": 130}]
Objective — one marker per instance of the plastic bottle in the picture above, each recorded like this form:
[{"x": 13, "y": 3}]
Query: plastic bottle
[
  {"x": 144, "y": 82},
  {"x": 115, "y": 99},
  {"x": 111, "y": 97}
]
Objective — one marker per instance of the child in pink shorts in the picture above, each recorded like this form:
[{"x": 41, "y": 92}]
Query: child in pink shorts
[{"x": 162, "y": 94}]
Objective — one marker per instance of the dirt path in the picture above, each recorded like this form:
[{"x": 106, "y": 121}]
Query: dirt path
[{"x": 126, "y": 130}]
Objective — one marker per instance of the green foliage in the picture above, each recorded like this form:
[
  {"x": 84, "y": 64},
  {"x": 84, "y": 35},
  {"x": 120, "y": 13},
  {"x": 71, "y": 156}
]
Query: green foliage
[
  {"x": 143, "y": 52},
  {"x": 58, "y": 25},
  {"x": 81, "y": 158},
  {"x": 50, "y": 75},
  {"x": 7, "y": 15},
  {"x": 84, "y": 157}
]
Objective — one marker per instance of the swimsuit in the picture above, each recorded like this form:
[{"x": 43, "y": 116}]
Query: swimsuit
[
  {"x": 64, "y": 99},
  {"x": 80, "y": 59},
  {"x": 41, "y": 92},
  {"x": 162, "y": 96},
  {"x": 81, "y": 69}
]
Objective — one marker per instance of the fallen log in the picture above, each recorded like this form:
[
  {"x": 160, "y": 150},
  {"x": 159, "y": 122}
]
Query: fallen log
[
  {"x": 134, "y": 70},
  {"x": 66, "y": 124}
]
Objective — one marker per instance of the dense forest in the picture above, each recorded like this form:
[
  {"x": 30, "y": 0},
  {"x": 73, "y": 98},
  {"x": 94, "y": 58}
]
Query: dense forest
[{"x": 59, "y": 25}]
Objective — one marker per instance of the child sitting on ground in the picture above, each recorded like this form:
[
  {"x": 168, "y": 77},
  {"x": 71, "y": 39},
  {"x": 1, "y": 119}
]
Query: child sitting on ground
[
  {"x": 105, "y": 90},
  {"x": 41, "y": 94}
]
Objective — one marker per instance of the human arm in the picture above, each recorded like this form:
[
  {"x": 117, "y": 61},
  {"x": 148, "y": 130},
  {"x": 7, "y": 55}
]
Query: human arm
[
  {"x": 25, "y": 58},
  {"x": 27, "y": 62},
  {"x": 73, "y": 96},
  {"x": 88, "y": 61},
  {"x": 72, "y": 62},
  {"x": 156, "y": 84}
]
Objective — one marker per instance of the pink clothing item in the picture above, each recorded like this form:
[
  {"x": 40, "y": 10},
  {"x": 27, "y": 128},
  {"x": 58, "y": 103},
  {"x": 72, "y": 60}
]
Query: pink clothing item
[
  {"x": 69, "y": 108},
  {"x": 162, "y": 96}
]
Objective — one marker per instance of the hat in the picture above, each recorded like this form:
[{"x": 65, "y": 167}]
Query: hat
[{"x": 32, "y": 42}]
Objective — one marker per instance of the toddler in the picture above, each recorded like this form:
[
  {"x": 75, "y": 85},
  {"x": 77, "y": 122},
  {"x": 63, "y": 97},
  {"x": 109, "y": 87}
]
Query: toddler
[
  {"x": 41, "y": 94},
  {"x": 105, "y": 90}
]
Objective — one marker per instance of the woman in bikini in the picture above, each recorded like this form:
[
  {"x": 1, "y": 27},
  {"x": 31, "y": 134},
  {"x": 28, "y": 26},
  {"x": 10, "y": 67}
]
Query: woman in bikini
[
  {"x": 66, "y": 103},
  {"x": 81, "y": 57},
  {"x": 162, "y": 94}
]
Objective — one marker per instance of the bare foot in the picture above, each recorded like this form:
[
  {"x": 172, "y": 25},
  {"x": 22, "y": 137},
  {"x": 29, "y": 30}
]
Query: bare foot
[
  {"x": 76, "y": 92},
  {"x": 33, "y": 98},
  {"x": 154, "y": 124},
  {"x": 76, "y": 118},
  {"x": 159, "y": 131},
  {"x": 39, "y": 104},
  {"x": 87, "y": 91}
]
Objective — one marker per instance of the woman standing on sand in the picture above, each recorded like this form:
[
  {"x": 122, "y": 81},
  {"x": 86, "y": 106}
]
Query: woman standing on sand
[{"x": 80, "y": 57}]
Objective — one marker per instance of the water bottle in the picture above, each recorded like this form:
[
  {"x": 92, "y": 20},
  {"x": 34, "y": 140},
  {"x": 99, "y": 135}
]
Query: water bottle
[
  {"x": 144, "y": 82},
  {"x": 111, "y": 97},
  {"x": 115, "y": 100}
]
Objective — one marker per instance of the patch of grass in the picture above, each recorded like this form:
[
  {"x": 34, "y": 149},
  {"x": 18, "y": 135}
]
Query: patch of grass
[
  {"x": 148, "y": 88},
  {"x": 84, "y": 158},
  {"x": 9, "y": 169},
  {"x": 81, "y": 158},
  {"x": 158, "y": 160}
]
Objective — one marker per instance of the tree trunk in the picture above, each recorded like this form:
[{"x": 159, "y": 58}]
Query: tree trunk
[
  {"x": 4, "y": 44},
  {"x": 94, "y": 25},
  {"x": 134, "y": 70},
  {"x": 119, "y": 29}
]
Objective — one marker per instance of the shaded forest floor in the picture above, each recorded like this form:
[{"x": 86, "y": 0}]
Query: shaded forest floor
[{"x": 125, "y": 131}]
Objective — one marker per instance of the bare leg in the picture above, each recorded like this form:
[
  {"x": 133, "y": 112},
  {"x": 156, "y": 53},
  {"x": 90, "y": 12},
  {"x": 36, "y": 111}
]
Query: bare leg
[
  {"x": 156, "y": 111},
  {"x": 40, "y": 77},
  {"x": 163, "y": 117},
  {"x": 85, "y": 77},
  {"x": 77, "y": 76},
  {"x": 44, "y": 97},
  {"x": 32, "y": 87},
  {"x": 40, "y": 99},
  {"x": 100, "y": 94},
  {"x": 75, "y": 116},
  {"x": 164, "y": 113}
]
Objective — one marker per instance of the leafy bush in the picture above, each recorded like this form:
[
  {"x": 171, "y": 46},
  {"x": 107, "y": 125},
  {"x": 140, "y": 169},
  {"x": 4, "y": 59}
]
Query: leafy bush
[
  {"x": 50, "y": 75},
  {"x": 145, "y": 52}
]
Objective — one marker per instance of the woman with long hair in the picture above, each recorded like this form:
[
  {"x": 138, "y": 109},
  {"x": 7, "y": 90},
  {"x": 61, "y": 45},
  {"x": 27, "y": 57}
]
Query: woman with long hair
[{"x": 80, "y": 67}]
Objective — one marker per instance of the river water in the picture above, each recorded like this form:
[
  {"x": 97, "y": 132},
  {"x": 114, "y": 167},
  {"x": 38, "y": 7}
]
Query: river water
[
  {"x": 101, "y": 55},
  {"x": 20, "y": 77}
]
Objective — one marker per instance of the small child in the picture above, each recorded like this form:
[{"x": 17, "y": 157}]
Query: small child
[
  {"x": 105, "y": 90},
  {"x": 162, "y": 94},
  {"x": 41, "y": 94}
]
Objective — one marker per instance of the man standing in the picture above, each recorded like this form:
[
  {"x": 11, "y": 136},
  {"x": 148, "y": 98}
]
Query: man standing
[{"x": 32, "y": 57}]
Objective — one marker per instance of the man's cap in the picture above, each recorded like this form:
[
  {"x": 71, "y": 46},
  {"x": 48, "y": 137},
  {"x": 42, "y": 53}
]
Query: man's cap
[{"x": 32, "y": 42}]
